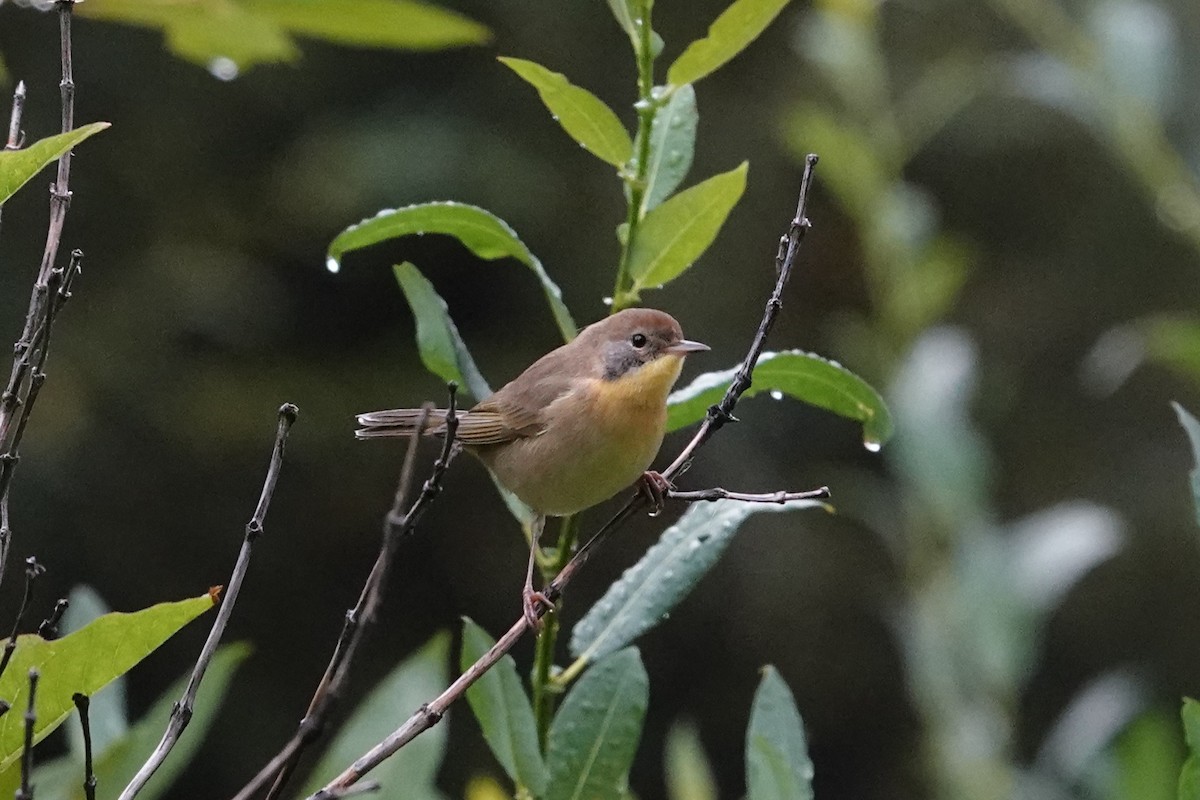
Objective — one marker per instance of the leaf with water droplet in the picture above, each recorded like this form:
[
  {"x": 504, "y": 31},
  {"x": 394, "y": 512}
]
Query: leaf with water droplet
[
  {"x": 777, "y": 762},
  {"x": 666, "y": 574},
  {"x": 482, "y": 232},
  {"x": 672, "y": 144},
  {"x": 595, "y": 733},
  {"x": 581, "y": 114},
  {"x": 795, "y": 373}
]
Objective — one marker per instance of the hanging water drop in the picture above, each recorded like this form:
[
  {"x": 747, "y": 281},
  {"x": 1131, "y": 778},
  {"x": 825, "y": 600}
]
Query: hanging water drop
[
  {"x": 333, "y": 265},
  {"x": 776, "y": 394}
]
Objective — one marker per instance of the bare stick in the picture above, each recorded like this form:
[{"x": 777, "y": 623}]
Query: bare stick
[
  {"x": 33, "y": 570},
  {"x": 718, "y": 493},
  {"x": 397, "y": 524},
  {"x": 89, "y": 775},
  {"x": 181, "y": 713},
  {"x": 15, "y": 136},
  {"x": 26, "y": 790},
  {"x": 432, "y": 712},
  {"x": 15, "y": 402}
]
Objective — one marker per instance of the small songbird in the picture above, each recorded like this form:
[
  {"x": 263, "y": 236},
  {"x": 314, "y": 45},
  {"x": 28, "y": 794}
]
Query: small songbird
[{"x": 579, "y": 425}]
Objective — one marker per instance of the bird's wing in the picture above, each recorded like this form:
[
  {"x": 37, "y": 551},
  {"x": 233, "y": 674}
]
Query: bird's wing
[{"x": 517, "y": 410}]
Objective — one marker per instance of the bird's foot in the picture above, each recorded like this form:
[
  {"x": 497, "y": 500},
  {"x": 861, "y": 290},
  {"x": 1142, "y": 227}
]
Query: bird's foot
[
  {"x": 655, "y": 487},
  {"x": 530, "y": 600}
]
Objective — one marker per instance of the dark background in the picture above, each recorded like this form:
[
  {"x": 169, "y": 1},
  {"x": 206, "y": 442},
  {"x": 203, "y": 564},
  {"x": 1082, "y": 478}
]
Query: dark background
[{"x": 205, "y": 213}]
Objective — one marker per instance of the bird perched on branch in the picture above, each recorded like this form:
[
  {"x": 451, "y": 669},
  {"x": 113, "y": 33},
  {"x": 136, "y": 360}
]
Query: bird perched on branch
[{"x": 579, "y": 425}]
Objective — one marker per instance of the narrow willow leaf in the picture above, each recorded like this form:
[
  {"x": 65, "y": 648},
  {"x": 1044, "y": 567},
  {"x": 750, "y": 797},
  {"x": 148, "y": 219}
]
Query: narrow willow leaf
[
  {"x": 443, "y": 352},
  {"x": 504, "y": 713},
  {"x": 665, "y": 575},
  {"x": 672, "y": 145},
  {"x": 115, "y": 766},
  {"x": 730, "y": 33},
  {"x": 412, "y": 772},
  {"x": 795, "y": 373},
  {"x": 1189, "y": 776},
  {"x": 84, "y": 661},
  {"x": 689, "y": 777},
  {"x": 18, "y": 166},
  {"x": 399, "y": 24},
  {"x": 595, "y": 733},
  {"x": 676, "y": 233},
  {"x": 480, "y": 231},
  {"x": 1192, "y": 427},
  {"x": 584, "y": 117},
  {"x": 777, "y": 762}
]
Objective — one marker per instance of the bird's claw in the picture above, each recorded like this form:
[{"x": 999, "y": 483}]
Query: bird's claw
[
  {"x": 530, "y": 600},
  {"x": 655, "y": 487}
]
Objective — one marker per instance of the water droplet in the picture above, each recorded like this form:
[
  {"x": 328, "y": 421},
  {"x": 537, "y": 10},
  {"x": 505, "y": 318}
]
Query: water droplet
[
  {"x": 776, "y": 394},
  {"x": 333, "y": 265},
  {"x": 873, "y": 445},
  {"x": 222, "y": 68},
  {"x": 642, "y": 105},
  {"x": 607, "y": 301}
]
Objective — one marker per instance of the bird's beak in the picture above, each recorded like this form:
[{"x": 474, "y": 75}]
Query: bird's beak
[{"x": 685, "y": 346}]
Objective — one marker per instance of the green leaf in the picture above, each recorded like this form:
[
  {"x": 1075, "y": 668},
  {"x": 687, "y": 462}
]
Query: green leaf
[
  {"x": 504, "y": 713},
  {"x": 688, "y": 774},
  {"x": 584, "y": 117},
  {"x": 730, "y": 33},
  {"x": 412, "y": 772},
  {"x": 1192, "y": 427},
  {"x": 595, "y": 733},
  {"x": 250, "y": 32},
  {"x": 480, "y": 231},
  {"x": 398, "y": 24},
  {"x": 17, "y": 167},
  {"x": 804, "y": 376},
  {"x": 62, "y": 778},
  {"x": 668, "y": 571},
  {"x": 777, "y": 763},
  {"x": 85, "y": 662},
  {"x": 625, "y": 12},
  {"x": 672, "y": 145},
  {"x": 676, "y": 233},
  {"x": 1147, "y": 758},
  {"x": 1189, "y": 776},
  {"x": 443, "y": 352}
]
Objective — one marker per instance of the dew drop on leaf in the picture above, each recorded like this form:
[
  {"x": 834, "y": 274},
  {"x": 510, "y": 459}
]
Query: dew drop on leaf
[{"x": 333, "y": 265}]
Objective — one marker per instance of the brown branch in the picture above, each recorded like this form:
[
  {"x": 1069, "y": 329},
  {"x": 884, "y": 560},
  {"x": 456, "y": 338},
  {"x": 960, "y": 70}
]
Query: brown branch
[
  {"x": 16, "y": 137},
  {"x": 181, "y": 713},
  {"x": 396, "y": 525},
  {"x": 432, "y": 712},
  {"x": 89, "y": 774},
  {"x": 49, "y": 290},
  {"x": 26, "y": 790},
  {"x": 33, "y": 571},
  {"x": 718, "y": 493}
]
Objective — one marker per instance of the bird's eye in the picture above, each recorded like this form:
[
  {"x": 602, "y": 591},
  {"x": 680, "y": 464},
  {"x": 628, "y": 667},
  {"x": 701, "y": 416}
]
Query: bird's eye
[{"x": 638, "y": 340}]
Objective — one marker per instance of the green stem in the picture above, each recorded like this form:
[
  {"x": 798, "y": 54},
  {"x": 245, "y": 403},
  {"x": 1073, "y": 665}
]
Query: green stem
[
  {"x": 544, "y": 688},
  {"x": 647, "y": 108}
]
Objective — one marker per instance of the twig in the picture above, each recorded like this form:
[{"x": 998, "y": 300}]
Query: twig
[
  {"x": 33, "y": 570},
  {"x": 26, "y": 790},
  {"x": 718, "y": 493},
  {"x": 397, "y": 524},
  {"x": 16, "y": 403},
  {"x": 16, "y": 137},
  {"x": 89, "y": 775},
  {"x": 432, "y": 712},
  {"x": 49, "y": 627},
  {"x": 181, "y": 712}
]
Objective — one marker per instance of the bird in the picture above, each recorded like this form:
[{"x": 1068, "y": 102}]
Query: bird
[{"x": 576, "y": 427}]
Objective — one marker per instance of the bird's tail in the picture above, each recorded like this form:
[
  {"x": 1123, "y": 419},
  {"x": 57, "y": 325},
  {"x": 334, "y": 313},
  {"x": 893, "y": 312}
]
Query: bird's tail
[{"x": 401, "y": 422}]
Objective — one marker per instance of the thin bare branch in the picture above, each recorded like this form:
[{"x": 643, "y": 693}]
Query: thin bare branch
[
  {"x": 717, "y": 493},
  {"x": 49, "y": 627},
  {"x": 396, "y": 525},
  {"x": 432, "y": 712},
  {"x": 26, "y": 790},
  {"x": 89, "y": 774},
  {"x": 33, "y": 571},
  {"x": 16, "y": 137},
  {"x": 181, "y": 713}
]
